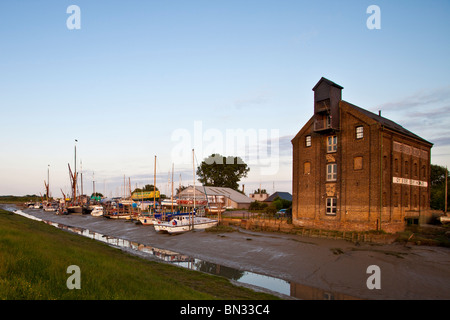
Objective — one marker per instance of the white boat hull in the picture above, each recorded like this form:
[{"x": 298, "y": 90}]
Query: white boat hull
[
  {"x": 147, "y": 221},
  {"x": 185, "y": 224},
  {"x": 444, "y": 219},
  {"x": 97, "y": 212}
]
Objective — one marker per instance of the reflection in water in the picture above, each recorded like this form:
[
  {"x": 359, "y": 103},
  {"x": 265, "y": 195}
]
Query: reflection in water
[{"x": 292, "y": 289}]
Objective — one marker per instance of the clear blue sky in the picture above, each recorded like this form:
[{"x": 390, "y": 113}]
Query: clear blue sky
[{"x": 139, "y": 71}]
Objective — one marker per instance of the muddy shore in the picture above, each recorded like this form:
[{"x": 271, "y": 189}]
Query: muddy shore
[{"x": 323, "y": 265}]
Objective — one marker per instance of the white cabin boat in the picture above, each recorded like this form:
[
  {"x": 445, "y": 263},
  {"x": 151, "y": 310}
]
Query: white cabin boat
[
  {"x": 97, "y": 211},
  {"x": 185, "y": 223},
  {"x": 444, "y": 219}
]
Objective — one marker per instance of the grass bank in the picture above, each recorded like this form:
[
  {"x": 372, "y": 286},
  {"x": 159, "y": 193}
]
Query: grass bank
[
  {"x": 35, "y": 256},
  {"x": 426, "y": 235}
]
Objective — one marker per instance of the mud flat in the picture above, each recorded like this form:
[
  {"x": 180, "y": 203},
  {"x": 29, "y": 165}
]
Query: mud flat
[{"x": 314, "y": 268}]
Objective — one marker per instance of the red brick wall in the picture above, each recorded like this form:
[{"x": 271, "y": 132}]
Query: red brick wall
[{"x": 361, "y": 200}]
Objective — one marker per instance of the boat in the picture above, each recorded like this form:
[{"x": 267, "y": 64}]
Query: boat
[
  {"x": 50, "y": 208},
  {"x": 192, "y": 202},
  {"x": 116, "y": 214},
  {"x": 214, "y": 209},
  {"x": 97, "y": 211},
  {"x": 62, "y": 211},
  {"x": 444, "y": 219},
  {"x": 75, "y": 209},
  {"x": 87, "y": 209},
  {"x": 185, "y": 223},
  {"x": 147, "y": 220},
  {"x": 37, "y": 205}
]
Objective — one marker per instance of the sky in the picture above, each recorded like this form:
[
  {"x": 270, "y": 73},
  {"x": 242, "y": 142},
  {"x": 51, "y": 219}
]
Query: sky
[{"x": 141, "y": 79}]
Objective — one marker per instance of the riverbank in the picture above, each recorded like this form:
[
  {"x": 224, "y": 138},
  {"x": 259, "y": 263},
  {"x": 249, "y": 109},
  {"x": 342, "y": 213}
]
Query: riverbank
[
  {"x": 35, "y": 258},
  {"x": 316, "y": 268}
]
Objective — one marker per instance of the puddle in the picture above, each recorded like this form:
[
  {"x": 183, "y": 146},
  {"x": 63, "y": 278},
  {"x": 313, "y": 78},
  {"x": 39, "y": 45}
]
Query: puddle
[{"x": 273, "y": 284}]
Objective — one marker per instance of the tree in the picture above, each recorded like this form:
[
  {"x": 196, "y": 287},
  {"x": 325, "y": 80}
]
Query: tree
[
  {"x": 179, "y": 189},
  {"x": 260, "y": 191},
  {"x": 97, "y": 194},
  {"x": 437, "y": 177},
  {"x": 220, "y": 171},
  {"x": 147, "y": 187}
]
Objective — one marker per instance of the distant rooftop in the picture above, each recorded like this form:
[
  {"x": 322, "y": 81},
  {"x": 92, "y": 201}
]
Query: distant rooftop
[
  {"x": 221, "y": 191},
  {"x": 282, "y": 195}
]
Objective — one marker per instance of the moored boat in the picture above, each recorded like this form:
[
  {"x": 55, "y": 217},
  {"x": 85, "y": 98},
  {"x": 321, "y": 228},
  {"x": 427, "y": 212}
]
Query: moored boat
[
  {"x": 97, "y": 211},
  {"x": 444, "y": 219},
  {"x": 74, "y": 209},
  {"x": 185, "y": 223}
]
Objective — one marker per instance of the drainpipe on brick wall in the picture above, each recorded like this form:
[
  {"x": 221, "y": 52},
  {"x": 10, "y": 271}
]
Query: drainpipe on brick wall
[{"x": 381, "y": 176}]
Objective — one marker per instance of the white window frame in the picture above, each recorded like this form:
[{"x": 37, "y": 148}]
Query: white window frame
[
  {"x": 331, "y": 172},
  {"x": 308, "y": 141},
  {"x": 331, "y": 206},
  {"x": 359, "y": 132},
  {"x": 331, "y": 144}
]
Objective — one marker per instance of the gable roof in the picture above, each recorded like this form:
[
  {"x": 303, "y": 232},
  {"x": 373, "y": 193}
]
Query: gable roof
[
  {"x": 221, "y": 191},
  {"x": 282, "y": 195},
  {"x": 387, "y": 123},
  {"x": 331, "y": 83}
]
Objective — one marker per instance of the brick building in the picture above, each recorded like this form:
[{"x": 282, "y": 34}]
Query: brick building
[{"x": 355, "y": 170}]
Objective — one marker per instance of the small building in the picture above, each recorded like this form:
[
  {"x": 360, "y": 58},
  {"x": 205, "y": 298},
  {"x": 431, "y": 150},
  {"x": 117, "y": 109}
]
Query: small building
[
  {"x": 258, "y": 196},
  {"x": 218, "y": 196},
  {"x": 356, "y": 170}
]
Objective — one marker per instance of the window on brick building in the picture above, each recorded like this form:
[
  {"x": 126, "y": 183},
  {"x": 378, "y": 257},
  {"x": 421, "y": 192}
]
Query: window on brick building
[
  {"x": 396, "y": 165},
  {"x": 359, "y": 132},
  {"x": 331, "y": 172},
  {"x": 331, "y": 206},
  {"x": 395, "y": 200},
  {"x": 357, "y": 163},
  {"x": 308, "y": 141},
  {"x": 332, "y": 144},
  {"x": 307, "y": 168}
]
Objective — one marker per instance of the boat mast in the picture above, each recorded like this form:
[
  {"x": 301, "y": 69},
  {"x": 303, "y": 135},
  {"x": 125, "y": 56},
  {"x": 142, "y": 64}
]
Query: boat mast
[
  {"x": 75, "y": 176},
  {"x": 193, "y": 171},
  {"x": 154, "y": 188},
  {"x": 93, "y": 185},
  {"x": 171, "y": 198},
  {"x": 47, "y": 183},
  {"x": 81, "y": 164}
]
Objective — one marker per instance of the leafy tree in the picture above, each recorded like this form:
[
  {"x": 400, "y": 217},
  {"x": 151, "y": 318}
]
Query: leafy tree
[
  {"x": 260, "y": 191},
  {"x": 147, "y": 187},
  {"x": 437, "y": 177},
  {"x": 97, "y": 194},
  {"x": 256, "y": 205},
  {"x": 179, "y": 189},
  {"x": 281, "y": 203},
  {"x": 271, "y": 210},
  {"x": 220, "y": 171}
]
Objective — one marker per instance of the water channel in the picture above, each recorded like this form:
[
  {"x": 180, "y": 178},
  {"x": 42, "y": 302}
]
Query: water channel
[{"x": 277, "y": 286}]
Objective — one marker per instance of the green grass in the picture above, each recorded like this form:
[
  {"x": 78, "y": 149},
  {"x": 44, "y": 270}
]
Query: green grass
[
  {"x": 425, "y": 236},
  {"x": 34, "y": 258},
  {"x": 221, "y": 228}
]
